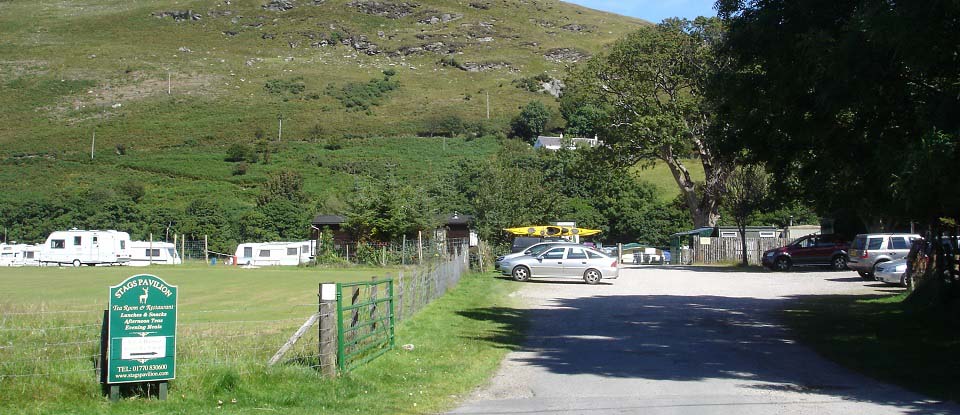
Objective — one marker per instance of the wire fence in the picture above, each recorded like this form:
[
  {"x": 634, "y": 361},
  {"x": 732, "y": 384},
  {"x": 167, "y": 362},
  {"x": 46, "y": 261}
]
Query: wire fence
[{"x": 39, "y": 342}]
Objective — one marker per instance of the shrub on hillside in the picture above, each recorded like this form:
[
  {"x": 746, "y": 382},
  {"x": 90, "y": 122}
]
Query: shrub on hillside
[
  {"x": 282, "y": 87},
  {"x": 359, "y": 96},
  {"x": 238, "y": 152}
]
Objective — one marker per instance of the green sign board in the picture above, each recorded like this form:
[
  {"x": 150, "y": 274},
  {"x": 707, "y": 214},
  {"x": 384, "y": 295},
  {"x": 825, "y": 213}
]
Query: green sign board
[{"x": 142, "y": 330}]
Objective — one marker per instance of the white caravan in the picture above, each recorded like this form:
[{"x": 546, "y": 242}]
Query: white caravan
[
  {"x": 143, "y": 253},
  {"x": 274, "y": 253},
  {"x": 19, "y": 255},
  {"x": 78, "y": 247}
]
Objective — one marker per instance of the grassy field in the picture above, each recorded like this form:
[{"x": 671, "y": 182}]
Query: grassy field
[
  {"x": 881, "y": 338},
  {"x": 230, "y": 322}
]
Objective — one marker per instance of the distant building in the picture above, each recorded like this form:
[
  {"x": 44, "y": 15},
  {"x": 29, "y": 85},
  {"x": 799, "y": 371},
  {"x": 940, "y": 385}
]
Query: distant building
[
  {"x": 572, "y": 143},
  {"x": 332, "y": 222}
]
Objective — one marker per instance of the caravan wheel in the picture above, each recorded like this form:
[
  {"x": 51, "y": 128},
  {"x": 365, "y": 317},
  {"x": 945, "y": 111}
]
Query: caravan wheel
[{"x": 76, "y": 262}]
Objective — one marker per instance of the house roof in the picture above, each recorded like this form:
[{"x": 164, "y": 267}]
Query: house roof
[
  {"x": 457, "y": 219},
  {"x": 329, "y": 220}
]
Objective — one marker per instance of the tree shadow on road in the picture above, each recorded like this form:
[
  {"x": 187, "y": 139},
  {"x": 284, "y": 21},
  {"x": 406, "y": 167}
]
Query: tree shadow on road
[{"x": 685, "y": 338}]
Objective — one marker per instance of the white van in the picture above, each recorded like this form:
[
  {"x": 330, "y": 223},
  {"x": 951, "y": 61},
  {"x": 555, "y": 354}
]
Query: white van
[
  {"x": 17, "y": 255},
  {"x": 79, "y": 247},
  {"x": 143, "y": 253},
  {"x": 274, "y": 253}
]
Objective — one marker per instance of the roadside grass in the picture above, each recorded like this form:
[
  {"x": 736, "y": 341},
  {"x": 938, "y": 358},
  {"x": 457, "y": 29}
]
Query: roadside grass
[
  {"x": 222, "y": 355},
  {"x": 883, "y": 338}
]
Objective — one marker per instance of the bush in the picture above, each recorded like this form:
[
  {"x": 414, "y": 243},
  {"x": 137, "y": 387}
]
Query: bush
[
  {"x": 531, "y": 121},
  {"x": 281, "y": 87},
  {"x": 238, "y": 152},
  {"x": 358, "y": 96},
  {"x": 240, "y": 169}
]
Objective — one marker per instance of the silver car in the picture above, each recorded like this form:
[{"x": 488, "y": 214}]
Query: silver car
[
  {"x": 563, "y": 262},
  {"x": 869, "y": 250},
  {"x": 892, "y": 272},
  {"x": 533, "y": 250}
]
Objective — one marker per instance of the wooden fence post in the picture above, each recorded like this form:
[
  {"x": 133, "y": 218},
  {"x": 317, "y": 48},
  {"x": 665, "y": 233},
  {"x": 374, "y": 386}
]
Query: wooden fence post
[{"x": 328, "y": 330}]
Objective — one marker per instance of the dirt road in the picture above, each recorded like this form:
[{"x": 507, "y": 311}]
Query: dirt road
[{"x": 670, "y": 340}]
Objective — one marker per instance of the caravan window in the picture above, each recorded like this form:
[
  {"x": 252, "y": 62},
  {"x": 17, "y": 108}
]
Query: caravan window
[
  {"x": 58, "y": 243},
  {"x": 768, "y": 234},
  {"x": 76, "y": 240},
  {"x": 291, "y": 251},
  {"x": 153, "y": 252},
  {"x": 28, "y": 254},
  {"x": 247, "y": 251},
  {"x": 264, "y": 253},
  {"x": 305, "y": 248},
  {"x": 171, "y": 253},
  {"x": 123, "y": 244},
  {"x": 729, "y": 234}
]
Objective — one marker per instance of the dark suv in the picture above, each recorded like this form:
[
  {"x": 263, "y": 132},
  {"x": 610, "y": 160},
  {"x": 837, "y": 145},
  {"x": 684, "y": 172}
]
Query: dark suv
[{"x": 824, "y": 250}]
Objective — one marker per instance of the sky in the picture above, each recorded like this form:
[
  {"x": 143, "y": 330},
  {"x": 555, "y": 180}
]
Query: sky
[{"x": 652, "y": 10}]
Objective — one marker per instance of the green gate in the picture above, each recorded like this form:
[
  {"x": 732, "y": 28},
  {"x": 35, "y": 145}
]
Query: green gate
[{"x": 365, "y": 322}]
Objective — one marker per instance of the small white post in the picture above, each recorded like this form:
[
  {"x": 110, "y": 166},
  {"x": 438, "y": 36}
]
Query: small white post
[
  {"x": 93, "y": 142},
  {"x": 168, "y": 82},
  {"x": 280, "y": 131}
]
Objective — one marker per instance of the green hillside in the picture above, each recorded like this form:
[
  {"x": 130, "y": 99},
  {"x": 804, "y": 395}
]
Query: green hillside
[{"x": 162, "y": 89}]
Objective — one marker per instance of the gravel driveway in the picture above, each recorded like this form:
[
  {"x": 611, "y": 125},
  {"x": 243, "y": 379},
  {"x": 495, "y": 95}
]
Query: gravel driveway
[{"x": 677, "y": 340}]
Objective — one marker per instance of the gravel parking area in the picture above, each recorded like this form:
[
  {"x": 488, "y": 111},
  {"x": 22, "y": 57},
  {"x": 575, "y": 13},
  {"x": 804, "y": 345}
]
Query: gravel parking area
[{"x": 683, "y": 340}]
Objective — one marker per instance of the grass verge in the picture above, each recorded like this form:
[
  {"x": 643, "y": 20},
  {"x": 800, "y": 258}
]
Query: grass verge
[{"x": 883, "y": 338}]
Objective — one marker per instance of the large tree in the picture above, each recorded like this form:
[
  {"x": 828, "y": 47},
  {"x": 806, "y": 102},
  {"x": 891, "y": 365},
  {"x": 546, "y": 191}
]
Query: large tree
[
  {"x": 646, "y": 98},
  {"x": 854, "y": 100}
]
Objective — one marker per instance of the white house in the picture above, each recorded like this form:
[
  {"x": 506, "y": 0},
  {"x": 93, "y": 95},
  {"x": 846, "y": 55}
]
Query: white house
[
  {"x": 274, "y": 253},
  {"x": 80, "y": 247},
  {"x": 555, "y": 143},
  {"x": 143, "y": 253}
]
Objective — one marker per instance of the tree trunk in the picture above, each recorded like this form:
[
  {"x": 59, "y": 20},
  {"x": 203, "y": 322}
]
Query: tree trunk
[
  {"x": 702, "y": 201},
  {"x": 743, "y": 242}
]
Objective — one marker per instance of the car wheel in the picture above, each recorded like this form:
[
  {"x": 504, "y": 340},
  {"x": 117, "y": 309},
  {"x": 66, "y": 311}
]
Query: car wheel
[
  {"x": 904, "y": 281},
  {"x": 782, "y": 264},
  {"x": 76, "y": 262},
  {"x": 839, "y": 263},
  {"x": 866, "y": 275},
  {"x": 521, "y": 273},
  {"x": 592, "y": 276}
]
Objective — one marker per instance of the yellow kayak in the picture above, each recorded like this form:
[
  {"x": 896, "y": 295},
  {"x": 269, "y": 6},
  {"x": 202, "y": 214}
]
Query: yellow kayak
[{"x": 551, "y": 230}]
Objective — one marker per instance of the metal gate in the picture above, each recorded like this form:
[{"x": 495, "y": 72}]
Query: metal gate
[{"x": 365, "y": 322}]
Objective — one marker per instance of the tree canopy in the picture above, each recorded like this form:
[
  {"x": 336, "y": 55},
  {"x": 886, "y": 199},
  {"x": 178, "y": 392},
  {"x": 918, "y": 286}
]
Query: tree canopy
[
  {"x": 855, "y": 101},
  {"x": 647, "y": 99}
]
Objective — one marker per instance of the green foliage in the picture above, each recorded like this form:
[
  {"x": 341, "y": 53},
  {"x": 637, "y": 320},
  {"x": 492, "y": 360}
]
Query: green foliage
[
  {"x": 240, "y": 169},
  {"x": 357, "y": 96},
  {"x": 132, "y": 189},
  {"x": 239, "y": 152},
  {"x": 645, "y": 97},
  {"x": 444, "y": 125},
  {"x": 293, "y": 86},
  {"x": 283, "y": 186},
  {"x": 827, "y": 97},
  {"x": 531, "y": 121},
  {"x": 385, "y": 209}
]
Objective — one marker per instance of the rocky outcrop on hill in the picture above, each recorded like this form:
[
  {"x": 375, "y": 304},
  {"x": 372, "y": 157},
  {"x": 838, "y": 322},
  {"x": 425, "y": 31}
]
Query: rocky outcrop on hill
[
  {"x": 566, "y": 55},
  {"x": 178, "y": 15},
  {"x": 384, "y": 8},
  {"x": 361, "y": 44},
  {"x": 440, "y": 18},
  {"x": 279, "y": 5},
  {"x": 484, "y": 66},
  {"x": 573, "y": 27}
]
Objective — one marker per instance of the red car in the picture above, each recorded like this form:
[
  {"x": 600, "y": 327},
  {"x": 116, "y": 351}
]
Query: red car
[{"x": 819, "y": 250}]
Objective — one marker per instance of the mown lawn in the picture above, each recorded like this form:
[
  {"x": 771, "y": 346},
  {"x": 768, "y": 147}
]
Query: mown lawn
[
  {"x": 882, "y": 338},
  {"x": 230, "y": 322}
]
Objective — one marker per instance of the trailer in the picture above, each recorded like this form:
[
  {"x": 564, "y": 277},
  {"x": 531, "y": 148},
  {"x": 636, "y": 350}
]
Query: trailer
[
  {"x": 274, "y": 253},
  {"x": 144, "y": 253},
  {"x": 19, "y": 255},
  {"x": 86, "y": 247}
]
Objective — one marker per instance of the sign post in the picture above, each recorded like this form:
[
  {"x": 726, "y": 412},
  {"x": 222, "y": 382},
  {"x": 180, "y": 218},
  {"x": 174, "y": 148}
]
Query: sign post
[{"x": 142, "y": 333}]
